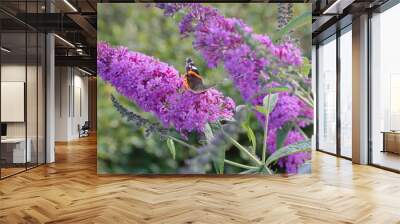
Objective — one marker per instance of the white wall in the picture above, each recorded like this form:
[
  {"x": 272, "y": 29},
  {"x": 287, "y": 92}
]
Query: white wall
[
  {"x": 17, "y": 73},
  {"x": 71, "y": 94},
  {"x": 14, "y": 73},
  {"x": 62, "y": 81},
  {"x": 80, "y": 100}
]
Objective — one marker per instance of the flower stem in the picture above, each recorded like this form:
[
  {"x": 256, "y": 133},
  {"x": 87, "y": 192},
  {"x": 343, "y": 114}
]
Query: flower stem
[
  {"x": 303, "y": 94},
  {"x": 243, "y": 149},
  {"x": 304, "y": 99},
  {"x": 301, "y": 131},
  {"x": 264, "y": 151},
  {"x": 269, "y": 171},
  {"x": 239, "y": 165}
]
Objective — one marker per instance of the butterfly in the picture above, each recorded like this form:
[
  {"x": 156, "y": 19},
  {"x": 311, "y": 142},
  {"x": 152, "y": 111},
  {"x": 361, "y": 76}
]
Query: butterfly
[{"x": 192, "y": 79}]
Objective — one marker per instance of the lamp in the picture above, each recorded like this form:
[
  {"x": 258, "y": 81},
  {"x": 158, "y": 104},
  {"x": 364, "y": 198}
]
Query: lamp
[
  {"x": 5, "y": 50},
  {"x": 64, "y": 40},
  {"x": 84, "y": 71},
  {"x": 70, "y": 5},
  {"x": 337, "y": 7}
]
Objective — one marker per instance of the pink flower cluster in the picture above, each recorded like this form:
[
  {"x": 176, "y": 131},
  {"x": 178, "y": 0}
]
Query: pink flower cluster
[{"x": 157, "y": 87}]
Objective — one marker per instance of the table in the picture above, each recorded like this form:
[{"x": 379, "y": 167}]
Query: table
[
  {"x": 16, "y": 147},
  {"x": 391, "y": 141}
]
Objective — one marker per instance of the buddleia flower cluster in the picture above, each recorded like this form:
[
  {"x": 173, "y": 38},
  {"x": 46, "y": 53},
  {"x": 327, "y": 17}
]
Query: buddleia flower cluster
[{"x": 156, "y": 87}]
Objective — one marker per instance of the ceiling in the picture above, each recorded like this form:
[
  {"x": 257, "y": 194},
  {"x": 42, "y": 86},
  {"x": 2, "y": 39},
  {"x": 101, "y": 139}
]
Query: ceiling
[
  {"x": 73, "y": 21},
  {"x": 329, "y": 15}
]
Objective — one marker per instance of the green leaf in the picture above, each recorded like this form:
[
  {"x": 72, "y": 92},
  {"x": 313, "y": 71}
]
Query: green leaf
[
  {"x": 306, "y": 67},
  {"x": 282, "y": 134},
  {"x": 229, "y": 162},
  {"x": 269, "y": 102},
  {"x": 243, "y": 149},
  {"x": 303, "y": 146},
  {"x": 250, "y": 171},
  {"x": 279, "y": 89},
  {"x": 293, "y": 24},
  {"x": 259, "y": 170},
  {"x": 251, "y": 136},
  {"x": 261, "y": 109},
  {"x": 265, "y": 170},
  {"x": 305, "y": 70},
  {"x": 208, "y": 132},
  {"x": 171, "y": 147},
  {"x": 218, "y": 161}
]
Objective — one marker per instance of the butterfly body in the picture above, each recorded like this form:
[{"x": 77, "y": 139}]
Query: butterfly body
[{"x": 192, "y": 79}]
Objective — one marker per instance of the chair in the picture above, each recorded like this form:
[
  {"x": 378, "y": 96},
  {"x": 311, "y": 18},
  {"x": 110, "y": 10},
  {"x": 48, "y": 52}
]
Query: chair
[{"x": 84, "y": 130}]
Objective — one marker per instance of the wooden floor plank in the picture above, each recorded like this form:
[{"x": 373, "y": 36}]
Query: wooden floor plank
[{"x": 70, "y": 191}]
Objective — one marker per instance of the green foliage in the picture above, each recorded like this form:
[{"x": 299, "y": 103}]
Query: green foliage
[
  {"x": 122, "y": 147},
  {"x": 294, "y": 24},
  {"x": 303, "y": 146}
]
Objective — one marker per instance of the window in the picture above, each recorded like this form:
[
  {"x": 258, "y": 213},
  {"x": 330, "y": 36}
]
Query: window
[
  {"x": 385, "y": 89},
  {"x": 22, "y": 78},
  {"x": 346, "y": 92},
  {"x": 327, "y": 96}
]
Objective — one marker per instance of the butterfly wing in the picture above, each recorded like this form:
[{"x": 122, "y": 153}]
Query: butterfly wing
[
  {"x": 186, "y": 83},
  {"x": 195, "y": 81}
]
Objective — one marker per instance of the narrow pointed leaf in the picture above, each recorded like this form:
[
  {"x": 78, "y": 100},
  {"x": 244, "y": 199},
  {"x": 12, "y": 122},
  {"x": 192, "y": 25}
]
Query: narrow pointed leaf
[
  {"x": 269, "y": 102},
  {"x": 303, "y": 146},
  {"x": 171, "y": 147},
  {"x": 282, "y": 134},
  {"x": 208, "y": 132},
  {"x": 261, "y": 109},
  {"x": 218, "y": 161},
  {"x": 306, "y": 67},
  {"x": 279, "y": 89},
  {"x": 251, "y": 136},
  {"x": 265, "y": 170},
  {"x": 250, "y": 171}
]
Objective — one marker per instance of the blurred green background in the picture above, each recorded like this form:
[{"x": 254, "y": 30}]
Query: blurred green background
[{"x": 121, "y": 149}]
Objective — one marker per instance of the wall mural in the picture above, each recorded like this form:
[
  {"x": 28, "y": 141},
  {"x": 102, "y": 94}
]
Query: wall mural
[{"x": 189, "y": 88}]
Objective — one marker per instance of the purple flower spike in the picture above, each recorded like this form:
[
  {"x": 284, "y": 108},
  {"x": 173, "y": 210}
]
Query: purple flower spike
[{"x": 157, "y": 87}]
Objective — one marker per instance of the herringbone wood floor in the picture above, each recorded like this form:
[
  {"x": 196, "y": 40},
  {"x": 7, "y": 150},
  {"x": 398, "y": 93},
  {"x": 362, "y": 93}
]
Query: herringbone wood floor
[{"x": 70, "y": 191}]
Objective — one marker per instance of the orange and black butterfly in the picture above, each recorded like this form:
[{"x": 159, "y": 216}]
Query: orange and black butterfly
[{"x": 192, "y": 79}]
